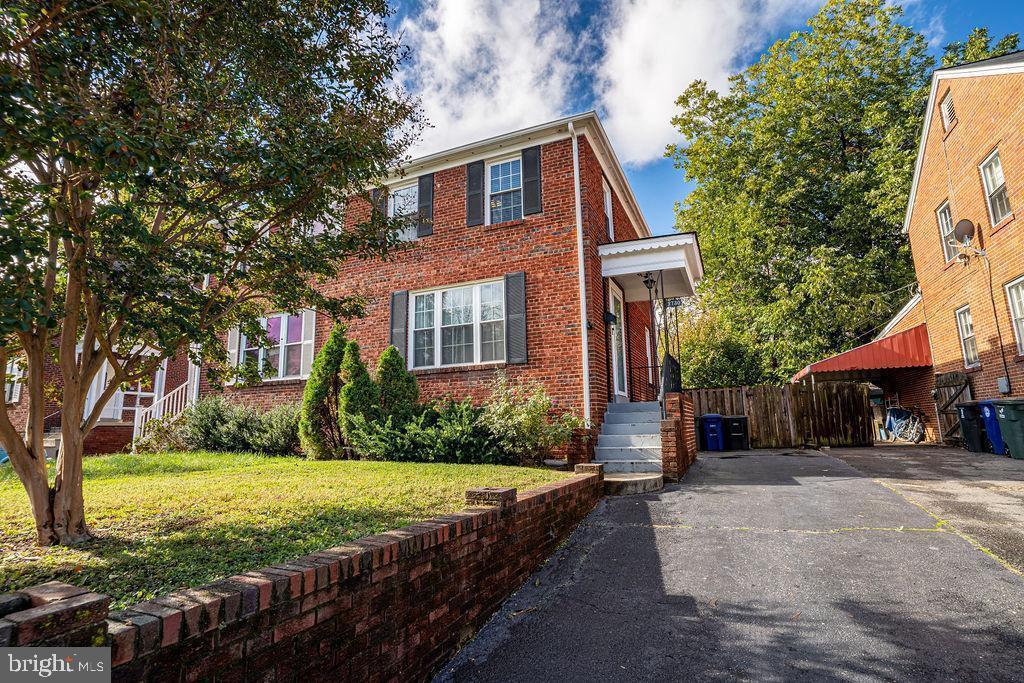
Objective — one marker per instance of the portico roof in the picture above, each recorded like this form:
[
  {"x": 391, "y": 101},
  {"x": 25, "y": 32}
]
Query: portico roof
[{"x": 674, "y": 260}]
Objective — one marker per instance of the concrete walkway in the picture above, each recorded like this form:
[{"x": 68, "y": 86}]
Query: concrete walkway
[{"x": 759, "y": 567}]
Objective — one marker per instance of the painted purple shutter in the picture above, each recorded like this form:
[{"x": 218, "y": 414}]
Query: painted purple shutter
[
  {"x": 475, "y": 193},
  {"x": 515, "y": 319},
  {"x": 400, "y": 321},
  {"x": 425, "y": 220},
  {"x": 531, "y": 181}
]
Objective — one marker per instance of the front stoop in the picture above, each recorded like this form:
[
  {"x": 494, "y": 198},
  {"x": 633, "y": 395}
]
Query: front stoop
[
  {"x": 630, "y": 439},
  {"x": 632, "y": 483}
]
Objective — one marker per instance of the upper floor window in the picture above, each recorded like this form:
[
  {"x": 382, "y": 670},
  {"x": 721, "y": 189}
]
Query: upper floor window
[
  {"x": 995, "y": 188},
  {"x": 968, "y": 344},
  {"x": 403, "y": 202},
  {"x": 12, "y": 384},
  {"x": 505, "y": 190},
  {"x": 948, "y": 112},
  {"x": 1015, "y": 295},
  {"x": 458, "y": 325},
  {"x": 945, "y": 218},
  {"x": 609, "y": 219},
  {"x": 289, "y": 354}
]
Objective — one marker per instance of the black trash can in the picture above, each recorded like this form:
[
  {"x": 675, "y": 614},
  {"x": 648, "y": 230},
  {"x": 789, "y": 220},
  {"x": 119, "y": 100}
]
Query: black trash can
[
  {"x": 737, "y": 434},
  {"x": 700, "y": 434},
  {"x": 1010, "y": 413},
  {"x": 971, "y": 426}
]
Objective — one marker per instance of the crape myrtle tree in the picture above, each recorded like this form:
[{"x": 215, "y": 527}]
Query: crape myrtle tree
[{"x": 170, "y": 169}]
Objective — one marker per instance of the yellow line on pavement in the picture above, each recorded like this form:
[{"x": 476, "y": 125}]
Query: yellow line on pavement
[{"x": 941, "y": 523}]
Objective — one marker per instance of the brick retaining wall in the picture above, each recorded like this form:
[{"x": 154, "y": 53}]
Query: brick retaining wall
[
  {"x": 678, "y": 442},
  {"x": 396, "y": 605}
]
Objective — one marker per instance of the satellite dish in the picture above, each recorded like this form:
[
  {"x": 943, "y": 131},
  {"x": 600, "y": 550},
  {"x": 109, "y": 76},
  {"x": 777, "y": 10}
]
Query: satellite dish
[{"x": 964, "y": 231}]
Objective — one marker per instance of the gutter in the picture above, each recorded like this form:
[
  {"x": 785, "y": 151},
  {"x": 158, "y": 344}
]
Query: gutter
[{"x": 581, "y": 263}]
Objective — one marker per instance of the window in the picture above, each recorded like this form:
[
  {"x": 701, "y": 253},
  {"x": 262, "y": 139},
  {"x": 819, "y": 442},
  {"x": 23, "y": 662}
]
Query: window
[
  {"x": 995, "y": 188},
  {"x": 609, "y": 220},
  {"x": 289, "y": 354},
  {"x": 469, "y": 321},
  {"x": 945, "y": 219},
  {"x": 12, "y": 387},
  {"x": 1015, "y": 295},
  {"x": 947, "y": 111},
  {"x": 968, "y": 343},
  {"x": 505, "y": 190},
  {"x": 650, "y": 361},
  {"x": 404, "y": 203}
]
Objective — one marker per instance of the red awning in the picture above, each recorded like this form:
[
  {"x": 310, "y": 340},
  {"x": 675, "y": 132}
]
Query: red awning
[{"x": 908, "y": 349}]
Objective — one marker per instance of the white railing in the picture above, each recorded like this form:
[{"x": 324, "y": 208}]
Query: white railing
[{"x": 170, "y": 406}]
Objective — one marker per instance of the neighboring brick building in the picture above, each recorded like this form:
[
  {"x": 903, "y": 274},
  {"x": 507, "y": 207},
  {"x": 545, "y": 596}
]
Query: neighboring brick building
[
  {"x": 491, "y": 279},
  {"x": 970, "y": 168}
]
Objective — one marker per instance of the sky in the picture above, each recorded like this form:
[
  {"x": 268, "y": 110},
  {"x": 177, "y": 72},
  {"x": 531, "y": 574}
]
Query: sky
[{"x": 485, "y": 67}]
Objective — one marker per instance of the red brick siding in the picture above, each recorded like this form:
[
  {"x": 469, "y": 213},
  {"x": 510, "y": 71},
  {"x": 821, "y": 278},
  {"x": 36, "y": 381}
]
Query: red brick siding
[
  {"x": 913, "y": 387},
  {"x": 990, "y": 112},
  {"x": 913, "y": 318},
  {"x": 678, "y": 440},
  {"x": 395, "y": 606}
]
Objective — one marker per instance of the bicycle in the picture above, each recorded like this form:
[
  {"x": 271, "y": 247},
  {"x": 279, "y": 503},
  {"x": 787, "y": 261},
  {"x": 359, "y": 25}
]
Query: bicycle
[{"x": 905, "y": 425}]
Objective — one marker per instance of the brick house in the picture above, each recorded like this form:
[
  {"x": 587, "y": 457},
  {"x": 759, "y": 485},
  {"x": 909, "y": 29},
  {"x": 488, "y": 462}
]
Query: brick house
[
  {"x": 529, "y": 254},
  {"x": 970, "y": 168}
]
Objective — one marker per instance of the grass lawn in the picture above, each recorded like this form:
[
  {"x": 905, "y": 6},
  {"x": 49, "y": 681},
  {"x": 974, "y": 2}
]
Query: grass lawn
[{"x": 174, "y": 520}]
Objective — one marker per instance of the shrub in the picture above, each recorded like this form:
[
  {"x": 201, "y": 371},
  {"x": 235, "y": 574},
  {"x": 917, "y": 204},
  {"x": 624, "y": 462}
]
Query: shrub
[
  {"x": 399, "y": 391},
  {"x": 380, "y": 439},
  {"x": 319, "y": 429},
  {"x": 163, "y": 434},
  {"x": 359, "y": 396},
  {"x": 520, "y": 419},
  {"x": 278, "y": 432}
]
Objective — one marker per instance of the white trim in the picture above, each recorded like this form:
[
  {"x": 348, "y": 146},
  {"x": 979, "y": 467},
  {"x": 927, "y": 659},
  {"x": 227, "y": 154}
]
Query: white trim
[
  {"x": 1013, "y": 315},
  {"x": 14, "y": 373},
  {"x": 650, "y": 357},
  {"x": 948, "y": 250},
  {"x": 488, "y": 165},
  {"x": 900, "y": 315},
  {"x": 961, "y": 332},
  {"x": 947, "y": 111},
  {"x": 966, "y": 71},
  {"x": 989, "y": 191},
  {"x": 615, "y": 292},
  {"x": 307, "y": 323},
  {"x": 581, "y": 274},
  {"x": 436, "y": 294},
  {"x": 609, "y": 208}
]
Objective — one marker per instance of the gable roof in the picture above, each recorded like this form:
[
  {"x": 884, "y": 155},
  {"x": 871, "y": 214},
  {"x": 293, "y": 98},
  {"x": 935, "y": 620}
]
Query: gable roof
[
  {"x": 993, "y": 66},
  {"x": 587, "y": 124}
]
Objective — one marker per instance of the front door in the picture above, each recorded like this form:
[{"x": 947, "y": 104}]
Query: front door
[{"x": 620, "y": 367}]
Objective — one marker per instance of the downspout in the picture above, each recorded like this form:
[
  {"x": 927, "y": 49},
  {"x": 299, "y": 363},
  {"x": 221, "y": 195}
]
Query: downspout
[{"x": 581, "y": 263}]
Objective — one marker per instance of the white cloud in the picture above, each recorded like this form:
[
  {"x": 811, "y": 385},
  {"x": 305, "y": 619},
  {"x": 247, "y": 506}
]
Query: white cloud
[
  {"x": 485, "y": 67},
  {"x": 655, "y": 48}
]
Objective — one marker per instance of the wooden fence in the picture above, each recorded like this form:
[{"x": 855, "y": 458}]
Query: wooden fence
[{"x": 824, "y": 414}]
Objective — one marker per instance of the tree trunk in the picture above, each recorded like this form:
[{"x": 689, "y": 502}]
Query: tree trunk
[
  {"x": 68, "y": 501},
  {"x": 40, "y": 499}
]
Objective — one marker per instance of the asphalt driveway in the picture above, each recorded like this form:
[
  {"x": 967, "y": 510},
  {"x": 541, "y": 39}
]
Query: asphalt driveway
[{"x": 759, "y": 567}]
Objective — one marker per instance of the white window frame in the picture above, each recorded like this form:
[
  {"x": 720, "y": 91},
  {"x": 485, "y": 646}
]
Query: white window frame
[
  {"x": 436, "y": 293},
  {"x": 990, "y": 192},
  {"x": 12, "y": 382},
  {"x": 961, "y": 322},
  {"x": 306, "y": 346},
  {"x": 518, "y": 156},
  {"x": 948, "y": 249},
  {"x": 609, "y": 209},
  {"x": 650, "y": 358},
  {"x": 409, "y": 234},
  {"x": 947, "y": 111},
  {"x": 1016, "y": 305}
]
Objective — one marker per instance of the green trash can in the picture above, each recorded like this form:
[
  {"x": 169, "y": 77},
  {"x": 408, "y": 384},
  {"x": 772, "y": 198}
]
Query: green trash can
[{"x": 1010, "y": 413}]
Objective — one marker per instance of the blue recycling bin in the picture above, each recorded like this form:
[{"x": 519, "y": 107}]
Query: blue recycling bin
[
  {"x": 991, "y": 420},
  {"x": 712, "y": 426}
]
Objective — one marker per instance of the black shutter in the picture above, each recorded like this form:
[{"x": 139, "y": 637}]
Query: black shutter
[
  {"x": 375, "y": 198},
  {"x": 515, "y": 318},
  {"x": 425, "y": 222},
  {"x": 531, "y": 181},
  {"x": 400, "y": 320},
  {"x": 475, "y": 193}
]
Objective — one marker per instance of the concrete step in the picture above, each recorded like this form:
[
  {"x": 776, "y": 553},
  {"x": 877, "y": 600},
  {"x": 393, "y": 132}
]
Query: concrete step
[
  {"x": 632, "y": 416},
  {"x": 635, "y": 407},
  {"x": 632, "y": 483},
  {"x": 642, "y": 440},
  {"x": 614, "y": 466},
  {"x": 634, "y": 428},
  {"x": 607, "y": 453}
]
